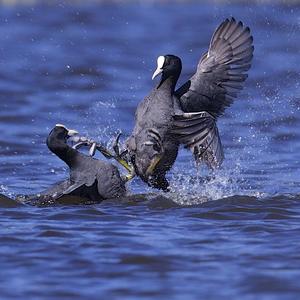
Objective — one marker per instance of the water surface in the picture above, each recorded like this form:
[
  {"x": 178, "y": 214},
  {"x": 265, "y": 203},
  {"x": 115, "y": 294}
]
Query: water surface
[{"x": 232, "y": 234}]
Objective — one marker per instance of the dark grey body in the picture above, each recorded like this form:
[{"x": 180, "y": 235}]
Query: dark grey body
[
  {"x": 156, "y": 111},
  {"x": 98, "y": 179},
  {"x": 188, "y": 116},
  {"x": 89, "y": 178}
]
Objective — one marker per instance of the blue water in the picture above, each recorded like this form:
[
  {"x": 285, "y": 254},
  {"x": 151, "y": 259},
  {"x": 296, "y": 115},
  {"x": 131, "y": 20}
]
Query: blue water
[{"x": 234, "y": 234}]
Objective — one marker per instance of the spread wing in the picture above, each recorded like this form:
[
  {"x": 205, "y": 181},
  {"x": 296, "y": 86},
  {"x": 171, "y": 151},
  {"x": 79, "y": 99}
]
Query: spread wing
[
  {"x": 199, "y": 133},
  {"x": 221, "y": 71}
]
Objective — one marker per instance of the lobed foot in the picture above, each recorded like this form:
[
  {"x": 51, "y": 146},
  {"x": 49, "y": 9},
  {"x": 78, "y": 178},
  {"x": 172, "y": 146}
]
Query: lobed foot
[{"x": 117, "y": 154}]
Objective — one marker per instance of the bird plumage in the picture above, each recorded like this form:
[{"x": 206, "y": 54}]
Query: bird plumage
[
  {"x": 89, "y": 178},
  {"x": 221, "y": 71},
  {"x": 188, "y": 115},
  {"x": 151, "y": 138}
]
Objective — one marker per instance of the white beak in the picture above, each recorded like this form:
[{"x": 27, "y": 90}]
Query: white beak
[
  {"x": 160, "y": 64},
  {"x": 72, "y": 132},
  {"x": 157, "y": 72}
]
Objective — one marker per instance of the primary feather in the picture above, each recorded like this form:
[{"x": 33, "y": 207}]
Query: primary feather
[{"x": 221, "y": 71}]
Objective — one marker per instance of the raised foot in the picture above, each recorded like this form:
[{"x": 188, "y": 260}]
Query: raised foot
[{"x": 118, "y": 155}]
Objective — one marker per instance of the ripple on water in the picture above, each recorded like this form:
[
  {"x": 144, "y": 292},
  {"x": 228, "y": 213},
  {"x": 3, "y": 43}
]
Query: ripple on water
[{"x": 233, "y": 234}]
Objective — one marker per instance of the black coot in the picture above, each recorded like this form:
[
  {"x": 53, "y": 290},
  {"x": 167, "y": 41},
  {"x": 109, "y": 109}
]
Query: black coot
[
  {"x": 167, "y": 117},
  {"x": 90, "y": 178}
]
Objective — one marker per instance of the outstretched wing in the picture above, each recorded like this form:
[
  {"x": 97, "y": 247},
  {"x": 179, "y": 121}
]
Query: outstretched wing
[
  {"x": 221, "y": 71},
  {"x": 199, "y": 133}
]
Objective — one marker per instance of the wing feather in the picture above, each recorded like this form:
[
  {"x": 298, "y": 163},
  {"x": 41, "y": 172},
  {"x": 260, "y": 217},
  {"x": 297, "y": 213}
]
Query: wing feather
[
  {"x": 221, "y": 71},
  {"x": 199, "y": 133}
]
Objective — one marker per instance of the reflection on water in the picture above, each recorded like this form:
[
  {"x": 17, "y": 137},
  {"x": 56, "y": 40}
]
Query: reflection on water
[{"x": 88, "y": 66}]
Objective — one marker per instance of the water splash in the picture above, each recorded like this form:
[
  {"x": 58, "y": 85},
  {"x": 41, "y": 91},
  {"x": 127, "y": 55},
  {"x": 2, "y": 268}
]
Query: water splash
[
  {"x": 188, "y": 188},
  {"x": 3, "y": 189}
]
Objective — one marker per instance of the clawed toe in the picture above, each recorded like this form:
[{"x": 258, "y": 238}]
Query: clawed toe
[
  {"x": 79, "y": 145},
  {"x": 116, "y": 143},
  {"x": 119, "y": 155},
  {"x": 93, "y": 149}
]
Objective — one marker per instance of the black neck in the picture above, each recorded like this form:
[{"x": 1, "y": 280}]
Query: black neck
[
  {"x": 169, "y": 82},
  {"x": 60, "y": 148}
]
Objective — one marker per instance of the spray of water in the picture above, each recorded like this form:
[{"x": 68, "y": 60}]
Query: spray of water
[{"x": 194, "y": 186}]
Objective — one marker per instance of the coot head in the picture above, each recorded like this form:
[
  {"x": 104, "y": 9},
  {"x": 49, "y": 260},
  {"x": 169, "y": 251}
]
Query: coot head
[{"x": 168, "y": 65}]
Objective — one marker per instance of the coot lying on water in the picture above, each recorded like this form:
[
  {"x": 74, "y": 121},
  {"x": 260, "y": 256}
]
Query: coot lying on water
[
  {"x": 90, "y": 178},
  {"x": 167, "y": 118}
]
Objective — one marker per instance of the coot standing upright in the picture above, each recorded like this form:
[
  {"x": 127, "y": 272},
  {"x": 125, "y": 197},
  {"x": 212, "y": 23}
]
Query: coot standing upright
[{"x": 167, "y": 117}]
